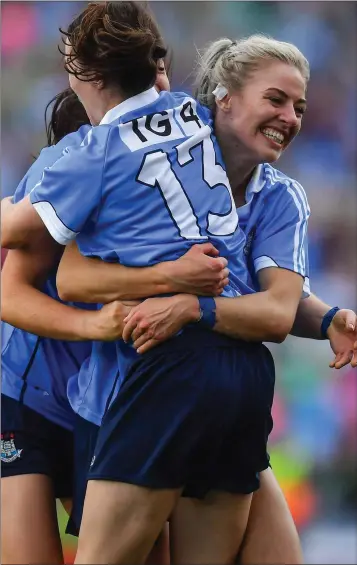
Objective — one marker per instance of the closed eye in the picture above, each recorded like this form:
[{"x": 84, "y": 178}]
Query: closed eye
[{"x": 275, "y": 100}]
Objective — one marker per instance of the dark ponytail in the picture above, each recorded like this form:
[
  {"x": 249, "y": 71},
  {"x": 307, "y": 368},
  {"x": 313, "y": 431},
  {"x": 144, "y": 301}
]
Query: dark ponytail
[{"x": 67, "y": 115}]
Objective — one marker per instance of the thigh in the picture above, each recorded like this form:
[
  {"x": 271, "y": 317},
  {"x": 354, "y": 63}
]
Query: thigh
[
  {"x": 271, "y": 535},
  {"x": 29, "y": 529},
  {"x": 32, "y": 444},
  {"x": 85, "y": 437},
  {"x": 160, "y": 553},
  {"x": 127, "y": 520},
  {"x": 208, "y": 531}
]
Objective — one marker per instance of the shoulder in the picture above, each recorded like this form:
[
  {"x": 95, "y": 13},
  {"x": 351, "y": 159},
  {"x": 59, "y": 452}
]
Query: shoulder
[
  {"x": 188, "y": 103},
  {"x": 74, "y": 138},
  {"x": 280, "y": 186},
  {"x": 86, "y": 148}
]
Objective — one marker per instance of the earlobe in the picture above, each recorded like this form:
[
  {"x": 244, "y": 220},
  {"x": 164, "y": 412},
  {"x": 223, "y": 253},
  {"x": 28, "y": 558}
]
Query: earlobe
[{"x": 225, "y": 103}]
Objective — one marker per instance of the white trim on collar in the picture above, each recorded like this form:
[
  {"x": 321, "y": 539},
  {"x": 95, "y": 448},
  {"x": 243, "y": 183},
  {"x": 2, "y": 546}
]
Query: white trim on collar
[
  {"x": 257, "y": 181},
  {"x": 130, "y": 104}
]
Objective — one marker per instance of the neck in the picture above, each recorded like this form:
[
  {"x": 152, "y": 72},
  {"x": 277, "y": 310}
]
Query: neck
[
  {"x": 239, "y": 166},
  {"x": 106, "y": 102}
]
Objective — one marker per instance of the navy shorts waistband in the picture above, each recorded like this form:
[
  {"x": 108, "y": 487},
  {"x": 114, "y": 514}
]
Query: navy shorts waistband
[{"x": 202, "y": 337}]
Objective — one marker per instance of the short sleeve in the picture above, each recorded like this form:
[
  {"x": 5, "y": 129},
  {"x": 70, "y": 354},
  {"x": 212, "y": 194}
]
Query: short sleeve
[
  {"x": 34, "y": 173},
  {"x": 281, "y": 235},
  {"x": 69, "y": 192}
]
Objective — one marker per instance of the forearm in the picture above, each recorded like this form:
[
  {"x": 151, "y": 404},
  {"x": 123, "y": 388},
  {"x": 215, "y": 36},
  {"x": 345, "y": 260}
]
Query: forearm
[
  {"x": 31, "y": 310},
  {"x": 309, "y": 316},
  {"x": 99, "y": 282},
  {"x": 253, "y": 317}
]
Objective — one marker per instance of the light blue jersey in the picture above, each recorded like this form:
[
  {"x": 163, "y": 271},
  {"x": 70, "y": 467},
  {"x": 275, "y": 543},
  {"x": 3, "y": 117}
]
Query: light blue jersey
[
  {"x": 144, "y": 186},
  {"x": 274, "y": 220},
  {"x": 34, "y": 369},
  {"x": 141, "y": 189}
]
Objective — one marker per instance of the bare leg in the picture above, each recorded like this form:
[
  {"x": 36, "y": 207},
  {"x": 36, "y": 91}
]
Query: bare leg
[
  {"x": 67, "y": 505},
  {"x": 209, "y": 531},
  {"x": 126, "y": 519},
  {"x": 271, "y": 535},
  {"x": 160, "y": 553},
  {"x": 29, "y": 528}
]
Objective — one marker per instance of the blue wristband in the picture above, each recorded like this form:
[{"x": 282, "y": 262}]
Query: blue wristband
[
  {"x": 326, "y": 321},
  {"x": 208, "y": 312}
]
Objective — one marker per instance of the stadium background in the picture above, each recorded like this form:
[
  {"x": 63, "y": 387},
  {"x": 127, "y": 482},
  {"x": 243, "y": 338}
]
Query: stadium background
[{"x": 314, "y": 443}]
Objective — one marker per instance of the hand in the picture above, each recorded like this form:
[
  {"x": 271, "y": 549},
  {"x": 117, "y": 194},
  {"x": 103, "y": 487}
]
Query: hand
[
  {"x": 157, "y": 319},
  {"x": 109, "y": 321},
  {"x": 342, "y": 334},
  {"x": 200, "y": 271},
  {"x": 6, "y": 202}
]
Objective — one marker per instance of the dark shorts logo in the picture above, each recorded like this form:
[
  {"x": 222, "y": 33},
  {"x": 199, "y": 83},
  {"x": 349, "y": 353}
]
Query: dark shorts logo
[{"x": 9, "y": 452}]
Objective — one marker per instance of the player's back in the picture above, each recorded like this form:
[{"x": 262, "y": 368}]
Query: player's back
[{"x": 164, "y": 188}]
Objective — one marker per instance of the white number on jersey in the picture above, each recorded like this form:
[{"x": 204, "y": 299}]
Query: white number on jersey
[{"x": 156, "y": 171}]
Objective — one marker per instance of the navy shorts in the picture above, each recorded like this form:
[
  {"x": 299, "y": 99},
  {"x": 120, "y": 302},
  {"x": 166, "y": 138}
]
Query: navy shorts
[
  {"x": 195, "y": 412},
  {"x": 32, "y": 444},
  {"x": 85, "y": 437}
]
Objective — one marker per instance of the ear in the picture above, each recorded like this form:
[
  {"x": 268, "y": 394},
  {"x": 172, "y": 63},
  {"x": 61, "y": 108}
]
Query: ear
[
  {"x": 99, "y": 84},
  {"x": 225, "y": 103}
]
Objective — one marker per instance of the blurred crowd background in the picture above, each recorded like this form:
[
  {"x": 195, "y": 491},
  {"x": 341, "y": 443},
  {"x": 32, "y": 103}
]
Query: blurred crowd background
[{"x": 314, "y": 442}]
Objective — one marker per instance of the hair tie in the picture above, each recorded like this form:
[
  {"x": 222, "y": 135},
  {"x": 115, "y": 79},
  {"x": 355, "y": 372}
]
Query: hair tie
[{"x": 220, "y": 91}]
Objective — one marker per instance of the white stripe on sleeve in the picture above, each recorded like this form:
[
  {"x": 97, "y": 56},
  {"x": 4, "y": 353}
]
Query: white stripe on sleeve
[
  {"x": 263, "y": 262},
  {"x": 296, "y": 257},
  {"x": 57, "y": 229},
  {"x": 300, "y": 200}
]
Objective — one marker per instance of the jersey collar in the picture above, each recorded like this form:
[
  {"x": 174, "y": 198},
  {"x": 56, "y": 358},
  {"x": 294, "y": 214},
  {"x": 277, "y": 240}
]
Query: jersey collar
[
  {"x": 130, "y": 104},
  {"x": 257, "y": 181}
]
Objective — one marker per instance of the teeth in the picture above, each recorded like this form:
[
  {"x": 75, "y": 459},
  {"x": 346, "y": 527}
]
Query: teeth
[{"x": 273, "y": 134}]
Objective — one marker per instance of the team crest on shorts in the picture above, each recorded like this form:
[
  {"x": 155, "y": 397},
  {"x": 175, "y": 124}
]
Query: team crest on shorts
[{"x": 9, "y": 452}]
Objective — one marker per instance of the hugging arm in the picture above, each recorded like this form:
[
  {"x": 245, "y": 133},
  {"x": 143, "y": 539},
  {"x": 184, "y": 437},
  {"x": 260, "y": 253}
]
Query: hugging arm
[
  {"x": 25, "y": 306},
  {"x": 86, "y": 279},
  {"x": 263, "y": 316}
]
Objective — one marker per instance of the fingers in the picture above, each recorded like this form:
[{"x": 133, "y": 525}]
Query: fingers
[
  {"x": 206, "y": 248},
  {"x": 218, "y": 263},
  {"x": 147, "y": 345},
  {"x": 143, "y": 339},
  {"x": 354, "y": 358},
  {"x": 223, "y": 283},
  {"x": 129, "y": 327},
  {"x": 343, "y": 359},
  {"x": 350, "y": 320},
  {"x": 142, "y": 329}
]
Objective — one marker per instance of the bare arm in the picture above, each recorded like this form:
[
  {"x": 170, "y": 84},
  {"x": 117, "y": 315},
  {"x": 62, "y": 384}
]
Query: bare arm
[
  {"x": 309, "y": 316},
  {"x": 85, "y": 279},
  {"x": 91, "y": 280},
  {"x": 263, "y": 316},
  {"x": 19, "y": 223},
  {"x": 26, "y": 307}
]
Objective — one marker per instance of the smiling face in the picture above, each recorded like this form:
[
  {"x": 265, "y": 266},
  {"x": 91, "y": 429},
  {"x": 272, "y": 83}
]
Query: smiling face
[{"x": 266, "y": 114}]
